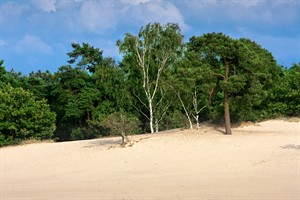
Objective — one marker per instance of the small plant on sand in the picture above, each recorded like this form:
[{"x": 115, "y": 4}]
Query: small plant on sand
[{"x": 121, "y": 123}]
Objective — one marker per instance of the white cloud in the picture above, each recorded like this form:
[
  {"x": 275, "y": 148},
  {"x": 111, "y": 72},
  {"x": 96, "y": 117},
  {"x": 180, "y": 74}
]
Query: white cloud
[
  {"x": 98, "y": 16},
  {"x": 103, "y": 16},
  {"x": 248, "y": 3},
  {"x": 198, "y": 5},
  {"x": 32, "y": 44},
  {"x": 202, "y": 4},
  {"x": 134, "y": 2},
  {"x": 244, "y": 11},
  {"x": 11, "y": 10},
  {"x": 45, "y": 5},
  {"x": 145, "y": 12}
]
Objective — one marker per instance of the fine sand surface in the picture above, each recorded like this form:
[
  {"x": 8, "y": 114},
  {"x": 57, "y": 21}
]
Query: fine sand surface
[{"x": 259, "y": 161}]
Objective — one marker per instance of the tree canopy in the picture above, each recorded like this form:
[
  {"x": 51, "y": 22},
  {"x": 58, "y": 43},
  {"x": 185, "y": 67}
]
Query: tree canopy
[
  {"x": 149, "y": 55},
  {"x": 23, "y": 117},
  {"x": 243, "y": 70},
  {"x": 160, "y": 83}
]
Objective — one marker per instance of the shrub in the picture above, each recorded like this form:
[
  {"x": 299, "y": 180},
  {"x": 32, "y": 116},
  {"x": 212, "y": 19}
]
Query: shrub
[
  {"x": 23, "y": 117},
  {"x": 121, "y": 123}
]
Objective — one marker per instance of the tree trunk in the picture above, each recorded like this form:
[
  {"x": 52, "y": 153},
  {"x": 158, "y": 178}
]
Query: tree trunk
[
  {"x": 124, "y": 138},
  {"x": 197, "y": 115},
  {"x": 156, "y": 126},
  {"x": 191, "y": 124},
  {"x": 227, "y": 114},
  {"x": 151, "y": 116},
  {"x": 226, "y": 103},
  {"x": 185, "y": 110},
  {"x": 197, "y": 121},
  {"x": 190, "y": 121},
  {"x": 88, "y": 118}
]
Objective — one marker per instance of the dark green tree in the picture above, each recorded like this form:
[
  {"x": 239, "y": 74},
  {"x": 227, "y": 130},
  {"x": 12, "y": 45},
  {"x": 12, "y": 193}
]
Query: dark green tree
[
  {"x": 74, "y": 99},
  {"x": 15, "y": 79},
  {"x": 261, "y": 71},
  {"x": 293, "y": 96},
  {"x": 221, "y": 53},
  {"x": 87, "y": 56},
  {"x": 243, "y": 69},
  {"x": 23, "y": 117},
  {"x": 91, "y": 90},
  {"x": 40, "y": 84},
  {"x": 3, "y": 73},
  {"x": 105, "y": 75},
  {"x": 284, "y": 97}
]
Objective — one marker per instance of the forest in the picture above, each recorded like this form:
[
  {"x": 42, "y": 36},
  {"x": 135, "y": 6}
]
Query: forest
[{"x": 161, "y": 83}]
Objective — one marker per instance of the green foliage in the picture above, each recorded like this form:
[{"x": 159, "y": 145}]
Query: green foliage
[
  {"x": 119, "y": 122},
  {"x": 74, "y": 98},
  {"x": 160, "y": 81},
  {"x": 176, "y": 119},
  {"x": 192, "y": 83},
  {"x": 40, "y": 84},
  {"x": 89, "y": 56},
  {"x": 293, "y": 92},
  {"x": 23, "y": 117},
  {"x": 147, "y": 57},
  {"x": 284, "y": 98},
  {"x": 242, "y": 68},
  {"x": 84, "y": 133},
  {"x": 3, "y": 73},
  {"x": 79, "y": 96}
]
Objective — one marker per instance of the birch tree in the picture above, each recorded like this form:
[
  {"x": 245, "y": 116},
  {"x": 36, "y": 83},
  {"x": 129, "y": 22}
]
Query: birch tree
[
  {"x": 192, "y": 84},
  {"x": 147, "y": 56}
]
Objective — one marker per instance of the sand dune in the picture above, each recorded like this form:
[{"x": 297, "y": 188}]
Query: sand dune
[{"x": 259, "y": 161}]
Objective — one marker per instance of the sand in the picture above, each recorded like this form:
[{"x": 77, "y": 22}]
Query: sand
[{"x": 259, "y": 161}]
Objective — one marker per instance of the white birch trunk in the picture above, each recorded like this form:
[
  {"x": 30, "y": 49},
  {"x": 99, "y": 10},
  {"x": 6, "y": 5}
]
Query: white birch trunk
[
  {"x": 156, "y": 126},
  {"x": 150, "y": 91},
  {"x": 197, "y": 111},
  {"x": 185, "y": 110},
  {"x": 151, "y": 115},
  {"x": 197, "y": 120}
]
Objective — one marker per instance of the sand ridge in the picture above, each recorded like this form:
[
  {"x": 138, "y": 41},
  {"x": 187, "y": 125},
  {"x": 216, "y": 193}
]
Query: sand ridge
[{"x": 259, "y": 161}]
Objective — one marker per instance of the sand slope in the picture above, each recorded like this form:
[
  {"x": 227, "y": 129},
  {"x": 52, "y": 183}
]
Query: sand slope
[{"x": 260, "y": 161}]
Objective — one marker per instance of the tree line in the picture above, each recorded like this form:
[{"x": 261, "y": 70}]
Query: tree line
[{"x": 161, "y": 83}]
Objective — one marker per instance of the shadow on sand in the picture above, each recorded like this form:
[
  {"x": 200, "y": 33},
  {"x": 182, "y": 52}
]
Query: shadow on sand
[
  {"x": 291, "y": 146},
  {"x": 103, "y": 142}
]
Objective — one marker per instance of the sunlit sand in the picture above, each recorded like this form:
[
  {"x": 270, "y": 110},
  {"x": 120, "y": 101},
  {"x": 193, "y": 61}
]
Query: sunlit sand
[{"x": 259, "y": 161}]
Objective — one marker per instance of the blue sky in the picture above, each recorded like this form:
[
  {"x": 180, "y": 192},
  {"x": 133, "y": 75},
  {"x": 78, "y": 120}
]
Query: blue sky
[{"x": 37, "y": 34}]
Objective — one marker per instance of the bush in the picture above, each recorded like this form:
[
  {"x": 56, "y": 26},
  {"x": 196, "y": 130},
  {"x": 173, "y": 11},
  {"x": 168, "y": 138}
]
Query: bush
[
  {"x": 121, "y": 123},
  {"x": 23, "y": 117},
  {"x": 173, "y": 120},
  {"x": 84, "y": 133}
]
